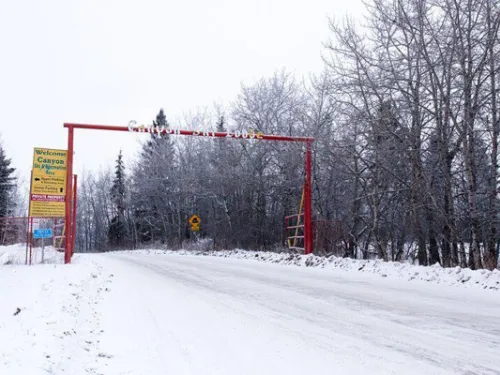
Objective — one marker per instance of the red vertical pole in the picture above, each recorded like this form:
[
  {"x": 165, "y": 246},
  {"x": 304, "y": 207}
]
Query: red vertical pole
[
  {"x": 31, "y": 239},
  {"x": 308, "y": 232},
  {"x": 54, "y": 232},
  {"x": 27, "y": 236},
  {"x": 28, "y": 220},
  {"x": 69, "y": 175},
  {"x": 73, "y": 233}
]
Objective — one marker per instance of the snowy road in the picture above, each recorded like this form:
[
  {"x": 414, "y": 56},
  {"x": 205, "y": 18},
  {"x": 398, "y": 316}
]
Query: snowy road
[{"x": 203, "y": 315}]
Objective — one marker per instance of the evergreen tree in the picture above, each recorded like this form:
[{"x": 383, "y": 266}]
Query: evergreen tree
[
  {"x": 117, "y": 233},
  {"x": 161, "y": 121},
  {"x": 152, "y": 187},
  {"x": 7, "y": 184},
  {"x": 118, "y": 189},
  {"x": 221, "y": 124}
]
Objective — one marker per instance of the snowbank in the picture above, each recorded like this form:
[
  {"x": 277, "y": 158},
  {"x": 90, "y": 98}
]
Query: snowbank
[
  {"x": 16, "y": 254},
  {"x": 463, "y": 277},
  {"x": 49, "y": 321}
]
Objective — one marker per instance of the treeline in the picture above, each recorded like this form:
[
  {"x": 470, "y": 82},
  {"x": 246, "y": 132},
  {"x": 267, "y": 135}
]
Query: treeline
[
  {"x": 8, "y": 185},
  {"x": 406, "y": 122},
  {"x": 9, "y": 199}
]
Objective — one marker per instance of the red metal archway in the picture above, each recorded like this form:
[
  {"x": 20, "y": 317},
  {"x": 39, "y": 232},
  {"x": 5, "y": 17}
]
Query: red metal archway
[{"x": 70, "y": 218}]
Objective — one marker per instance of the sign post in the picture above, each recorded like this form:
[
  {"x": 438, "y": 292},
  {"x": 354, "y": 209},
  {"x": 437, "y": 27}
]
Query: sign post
[
  {"x": 47, "y": 189},
  {"x": 43, "y": 233},
  {"x": 48, "y": 183},
  {"x": 195, "y": 221}
]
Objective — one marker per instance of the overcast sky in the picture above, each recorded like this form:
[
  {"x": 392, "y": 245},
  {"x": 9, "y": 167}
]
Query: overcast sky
[{"x": 108, "y": 62}]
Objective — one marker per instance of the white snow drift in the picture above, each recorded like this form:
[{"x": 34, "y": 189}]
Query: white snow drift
[
  {"x": 16, "y": 254},
  {"x": 49, "y": 318},
  {"x": 456, "y": 276}
]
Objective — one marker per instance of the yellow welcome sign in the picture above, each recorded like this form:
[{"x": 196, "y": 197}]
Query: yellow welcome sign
[{"x": 48, "y": 183}]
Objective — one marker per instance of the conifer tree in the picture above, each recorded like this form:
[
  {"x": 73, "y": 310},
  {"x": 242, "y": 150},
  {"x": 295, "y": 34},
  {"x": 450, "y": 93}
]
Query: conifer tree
[
  {"x": 7, "y": 184},
  {"x": 117, "y": 233}
]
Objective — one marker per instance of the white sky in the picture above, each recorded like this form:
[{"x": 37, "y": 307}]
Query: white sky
[{"x": 111, "y": 61}]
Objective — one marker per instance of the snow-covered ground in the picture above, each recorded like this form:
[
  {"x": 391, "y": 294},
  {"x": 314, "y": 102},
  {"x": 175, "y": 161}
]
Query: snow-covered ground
[
  {"x": 138, "y": 313},
  {"x": 17, "y": 254},
  {"x": 462, "y": 277},
  {"x": 49, "y": 318}
]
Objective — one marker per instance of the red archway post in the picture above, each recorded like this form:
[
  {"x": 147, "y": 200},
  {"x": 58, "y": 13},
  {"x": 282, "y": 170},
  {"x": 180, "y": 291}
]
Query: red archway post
[
  {"x": 308, "y": 230},
  {"x": 73, "y": 220},
  {"x": 68, "y": 219}
]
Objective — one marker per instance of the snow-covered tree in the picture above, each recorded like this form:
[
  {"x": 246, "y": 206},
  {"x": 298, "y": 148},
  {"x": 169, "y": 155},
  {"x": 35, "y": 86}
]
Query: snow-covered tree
[
  {"x": 7, "y": 184},
  {"x": 117, "y": 232}
]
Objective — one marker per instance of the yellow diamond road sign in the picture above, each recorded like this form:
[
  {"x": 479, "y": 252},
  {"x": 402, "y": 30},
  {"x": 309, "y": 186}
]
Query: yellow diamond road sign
[
  {"x": 48, "y": 183},
  {"x": 195, "y": 219}
]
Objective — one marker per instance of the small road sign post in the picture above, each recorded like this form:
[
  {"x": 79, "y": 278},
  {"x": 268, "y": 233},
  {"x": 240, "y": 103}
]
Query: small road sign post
[
  {"x": 48, "y": 181},
  {"x": 42, "y": 234},
  {"x": 195, "y": 221}
]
